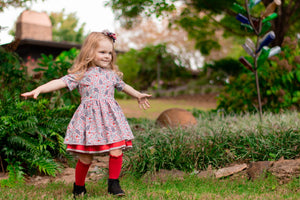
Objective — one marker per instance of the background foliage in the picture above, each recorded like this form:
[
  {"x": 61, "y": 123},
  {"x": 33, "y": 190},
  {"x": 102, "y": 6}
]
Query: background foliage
[
  {"x": 152, "y": 66},
  {"x": 279, "y": 83},
  {"x": 31, "y": 132},
  {"x": 15, "y": 3},
  {"x": 202, "y": 18},
  {"x": 219, "y": 71},
  {"x": 65, "y": 27},
  {"x": 54, "y": 68},
  {"x": 31, "y": 137}
]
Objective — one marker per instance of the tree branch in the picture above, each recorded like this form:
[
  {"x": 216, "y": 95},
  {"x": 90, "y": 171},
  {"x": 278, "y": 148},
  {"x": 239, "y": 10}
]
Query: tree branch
[
  {"x": 295, "y": 7},
  {"x": 225, "y": 27}
]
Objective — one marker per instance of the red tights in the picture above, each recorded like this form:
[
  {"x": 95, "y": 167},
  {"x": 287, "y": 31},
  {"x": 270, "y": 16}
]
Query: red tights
[
  {"x": 81, "y": 172},
  {"x": 115, "y": 166}
]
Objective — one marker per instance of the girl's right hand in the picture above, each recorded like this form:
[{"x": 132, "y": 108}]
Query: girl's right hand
[
  {"x": 48, "y": 87},
  {"x": 34, "y": 93}
]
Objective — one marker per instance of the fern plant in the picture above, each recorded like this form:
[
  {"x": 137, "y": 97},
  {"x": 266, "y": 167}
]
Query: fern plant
[
  {"x": 16, "y": 174},
  {"x": 31, "y": 132},
  {"x": 31, "y": 136}
]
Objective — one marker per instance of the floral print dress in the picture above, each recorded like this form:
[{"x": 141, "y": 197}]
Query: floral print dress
[{"x": 98, "y": 125}]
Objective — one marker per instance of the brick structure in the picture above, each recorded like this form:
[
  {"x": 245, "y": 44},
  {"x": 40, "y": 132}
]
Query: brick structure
[
  {"x": 34, "y": 25},
  {"x": 34, "y": 37}
]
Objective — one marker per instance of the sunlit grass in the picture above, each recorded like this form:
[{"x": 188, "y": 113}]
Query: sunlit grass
[
  {"x": 190, "y": 187},
  {"x": 131, "y": 108}
]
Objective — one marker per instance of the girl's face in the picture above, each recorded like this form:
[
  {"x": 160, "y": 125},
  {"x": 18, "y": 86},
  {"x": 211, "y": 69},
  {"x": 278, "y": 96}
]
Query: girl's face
[{"x": 103, "y": 53}]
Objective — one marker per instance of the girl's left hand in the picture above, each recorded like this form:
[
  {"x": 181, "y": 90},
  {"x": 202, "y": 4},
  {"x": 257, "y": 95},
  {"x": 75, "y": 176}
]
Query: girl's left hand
[{"x": 143, "y": 101}]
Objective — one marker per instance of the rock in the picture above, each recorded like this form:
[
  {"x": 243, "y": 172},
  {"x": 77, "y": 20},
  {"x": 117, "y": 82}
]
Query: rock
[
  {"x": 99, "y": 168},
  {"x": 285, "y": 170},
  {"x": 163, "y": 175},
  {"x": 240, "y": 175},
  {"x": 258, "y": 169},
  {"x": 175, "y": 117},
  {"x": 99, "y": 165},
  {"x": 206, "y": 174},
  {"x": 227, "y": 171}
]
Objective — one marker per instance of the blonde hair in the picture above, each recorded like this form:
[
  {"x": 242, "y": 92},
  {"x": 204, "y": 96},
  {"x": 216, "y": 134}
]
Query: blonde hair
[{"x": 87, "y": 54}]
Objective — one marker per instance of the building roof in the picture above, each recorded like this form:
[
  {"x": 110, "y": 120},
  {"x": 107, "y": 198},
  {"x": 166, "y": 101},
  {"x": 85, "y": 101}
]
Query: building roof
[{"x": 13, "y": 46}]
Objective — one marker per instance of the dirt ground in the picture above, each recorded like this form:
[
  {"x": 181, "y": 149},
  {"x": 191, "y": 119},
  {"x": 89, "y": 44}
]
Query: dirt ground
[{"x": 158, "y": 105}]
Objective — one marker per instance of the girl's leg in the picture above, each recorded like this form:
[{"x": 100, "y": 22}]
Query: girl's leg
[
  {"x": 115, "y": 163},
  {"x": 82, "y": 168},
  {"x": 115, "y": 166}
]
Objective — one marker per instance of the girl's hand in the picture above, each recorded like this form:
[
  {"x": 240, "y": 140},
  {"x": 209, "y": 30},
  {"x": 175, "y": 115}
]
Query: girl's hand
[
  {"x": 34, "y": 93},
  {"x": 48, "y": 87},
  {"x": 141, "y": 97},
  {"x": 143, "y": 101}
]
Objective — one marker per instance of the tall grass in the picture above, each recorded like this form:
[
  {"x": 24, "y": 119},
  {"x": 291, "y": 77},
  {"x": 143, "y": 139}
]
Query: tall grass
[{"x": 216, "y": 141}]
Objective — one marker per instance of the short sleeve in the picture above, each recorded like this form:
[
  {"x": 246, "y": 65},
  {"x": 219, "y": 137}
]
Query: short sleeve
[
  {"x": 70, "y": 81},
  {"x": 120, "y": 84}
]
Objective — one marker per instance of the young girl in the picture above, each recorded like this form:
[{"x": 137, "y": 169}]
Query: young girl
[{"x": 98, "y": 126}]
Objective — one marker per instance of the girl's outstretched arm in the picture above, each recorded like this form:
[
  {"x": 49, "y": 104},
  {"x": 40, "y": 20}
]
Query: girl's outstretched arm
[
  {"x": 141, "y": 97},
  {"x": 48, "y": 87}
]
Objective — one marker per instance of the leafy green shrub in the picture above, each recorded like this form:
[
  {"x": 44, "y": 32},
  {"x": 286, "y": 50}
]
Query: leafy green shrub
[
  {"x": 217, "y": 140},
  {"x": 13, "y": 75},
  {"x": 57, "y": 68},
  {"x": 31, "y": 135},
  {"x": 16, "y": 174},
  {"x": 279, "y": 82},
  {"x": 221, "y": 70}
]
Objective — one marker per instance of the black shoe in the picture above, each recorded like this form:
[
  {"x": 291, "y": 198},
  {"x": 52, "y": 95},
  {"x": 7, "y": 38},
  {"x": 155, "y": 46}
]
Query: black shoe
[
  {"x": 78, "y": 190},
  {"x": 115, "y": 188}
]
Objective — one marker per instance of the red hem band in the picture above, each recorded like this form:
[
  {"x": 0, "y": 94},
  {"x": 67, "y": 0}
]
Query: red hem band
[{"x": 99, "y": 148}]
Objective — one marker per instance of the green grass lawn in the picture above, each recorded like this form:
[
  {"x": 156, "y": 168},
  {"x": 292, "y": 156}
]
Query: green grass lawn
[{"x": 191, "y": 187}]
